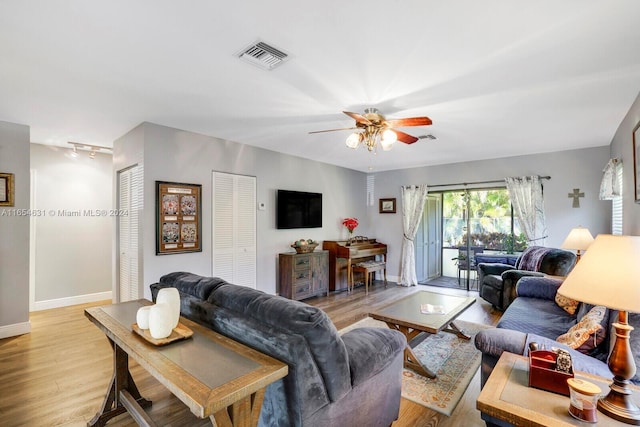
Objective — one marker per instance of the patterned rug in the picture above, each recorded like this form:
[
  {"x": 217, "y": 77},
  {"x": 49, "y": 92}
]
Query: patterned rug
[{"x": 454, "y": 360}]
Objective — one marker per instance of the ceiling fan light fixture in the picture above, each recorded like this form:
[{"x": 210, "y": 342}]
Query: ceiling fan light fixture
[
  {"x": 389, "y": 137},
  {"x": 353, "y": 140}
]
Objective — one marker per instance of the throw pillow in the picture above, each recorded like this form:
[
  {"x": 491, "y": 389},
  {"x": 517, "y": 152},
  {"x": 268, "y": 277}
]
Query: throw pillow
[
  {"x": 569, "y": 305},
  {"x": 586, "y": 335}
]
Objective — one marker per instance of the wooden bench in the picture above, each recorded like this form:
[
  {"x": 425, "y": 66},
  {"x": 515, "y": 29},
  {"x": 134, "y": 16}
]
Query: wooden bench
[{"x": 367, "y": 268}]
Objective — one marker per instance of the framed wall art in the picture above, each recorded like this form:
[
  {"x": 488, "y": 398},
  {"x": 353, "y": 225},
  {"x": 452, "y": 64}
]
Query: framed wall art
[
  {"x": 388, "y": 205},
  {"x": 178, "y": 218},
  {"x": 636, "y": 162},
  {"x": 6, "y": 189}
]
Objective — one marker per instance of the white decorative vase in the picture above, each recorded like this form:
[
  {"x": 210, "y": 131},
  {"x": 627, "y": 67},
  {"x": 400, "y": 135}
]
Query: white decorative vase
[
  {"x": 160, "y": 321},
  {"x": 171, "y": 297},
  {"x": 142, "y": 317}
]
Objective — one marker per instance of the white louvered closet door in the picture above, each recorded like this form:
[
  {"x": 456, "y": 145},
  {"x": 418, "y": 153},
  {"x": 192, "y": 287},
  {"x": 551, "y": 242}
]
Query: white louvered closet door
[
  {"x": 234, "y": 228},
  {"x": 129, "y": 200}
]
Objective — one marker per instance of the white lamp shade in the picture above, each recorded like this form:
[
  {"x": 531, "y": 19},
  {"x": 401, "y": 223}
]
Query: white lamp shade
[
  {"x": 160, "y": 321},
  {"x": 608, "y": 274},
  {"x": 142, "y": 317},
  {"x": 579, "y": 239},
  {"x": 171, "y": 297}
]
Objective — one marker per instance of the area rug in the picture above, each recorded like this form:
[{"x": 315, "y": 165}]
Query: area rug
[{"x": 454, "y": 360}]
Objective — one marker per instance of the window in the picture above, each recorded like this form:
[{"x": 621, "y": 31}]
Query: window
[
  {"x": 490, "y": 219},
  {"x": 616, "y": 204}
]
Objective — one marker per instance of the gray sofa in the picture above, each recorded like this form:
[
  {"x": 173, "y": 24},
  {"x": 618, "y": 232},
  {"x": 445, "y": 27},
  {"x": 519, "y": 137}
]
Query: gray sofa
[
  {"x": 533, "y": 316},
  {"x": 349, "y": 380},
  {"x": 497, "y": 281}
]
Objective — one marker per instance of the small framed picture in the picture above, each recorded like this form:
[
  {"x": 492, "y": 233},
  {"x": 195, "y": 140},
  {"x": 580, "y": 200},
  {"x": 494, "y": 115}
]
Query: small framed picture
[
  {"x": 6, "y": 189},
  {"x": 388, "y": 205}
]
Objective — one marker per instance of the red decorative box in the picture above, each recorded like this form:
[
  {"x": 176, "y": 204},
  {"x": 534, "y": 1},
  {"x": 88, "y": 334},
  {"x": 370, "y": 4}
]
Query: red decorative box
[{"x": 543, "y": 374}]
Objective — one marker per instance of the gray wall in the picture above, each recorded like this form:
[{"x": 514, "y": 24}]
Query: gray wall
[
  {"x": 174, "y": 155},
  {"x": 14, "y": 245},
  {"x": 622, "y": 147},
  {"x": 568, "y": 170},
  {"x": 72, "y": 257},
  {"x": 180, "y": 156}
]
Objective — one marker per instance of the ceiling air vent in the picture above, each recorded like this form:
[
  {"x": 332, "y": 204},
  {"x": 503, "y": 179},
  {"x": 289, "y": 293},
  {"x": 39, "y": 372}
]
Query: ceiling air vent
[
  {"x": 429, "y": 136},
  {"x": 263, "y": 55}
]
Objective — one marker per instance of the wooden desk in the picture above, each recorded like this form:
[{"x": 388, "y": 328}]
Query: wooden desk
[
  {"x": 507, "y": 397},
  {"x": 343, "y": 254},
  {"x": 213, "y": 375}
]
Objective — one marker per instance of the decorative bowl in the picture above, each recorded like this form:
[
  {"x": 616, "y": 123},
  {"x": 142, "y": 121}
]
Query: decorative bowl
[{"x": 306, "y": 248}]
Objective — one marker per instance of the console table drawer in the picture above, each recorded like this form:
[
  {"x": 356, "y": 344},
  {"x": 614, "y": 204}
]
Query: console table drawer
[
  {"x": 302, "y": 262},
  {"x": 301, "y": 290},
  {"x": 302, "y": 276}
]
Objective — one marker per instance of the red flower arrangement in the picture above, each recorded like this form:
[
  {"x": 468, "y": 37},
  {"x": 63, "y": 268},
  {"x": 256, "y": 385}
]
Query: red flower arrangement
[{"x": 350, "y": 223}]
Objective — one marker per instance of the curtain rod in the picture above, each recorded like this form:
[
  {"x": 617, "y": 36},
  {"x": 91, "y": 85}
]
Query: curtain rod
[{"x": 495, "y": 181}]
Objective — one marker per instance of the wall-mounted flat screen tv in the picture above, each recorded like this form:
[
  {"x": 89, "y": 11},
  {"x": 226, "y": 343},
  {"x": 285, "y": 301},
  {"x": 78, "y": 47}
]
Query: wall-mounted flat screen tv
[{"x": 297, "y": 209}]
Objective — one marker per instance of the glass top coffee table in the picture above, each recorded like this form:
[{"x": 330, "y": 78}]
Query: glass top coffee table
[{"x": 406, "y": 316}]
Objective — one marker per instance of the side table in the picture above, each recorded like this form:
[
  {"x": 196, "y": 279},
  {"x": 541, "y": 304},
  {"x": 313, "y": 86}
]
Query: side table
[
  {"x": 507, "y": 397},
  {"x": 214, "y": 376}
]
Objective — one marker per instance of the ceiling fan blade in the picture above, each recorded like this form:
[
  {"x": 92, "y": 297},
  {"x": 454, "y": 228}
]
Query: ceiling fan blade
[
  {"x": 405, "y": 137},
  {"x": 411, "y": 121},
  {"x": 332, "y": 130},
  {"x": 359, "y": 118}
]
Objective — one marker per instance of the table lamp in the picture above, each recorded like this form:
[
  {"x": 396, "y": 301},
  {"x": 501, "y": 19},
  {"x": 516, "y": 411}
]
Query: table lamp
[
  {"x": 578, "y": 239},
  {"x": 609, "y": 275}
]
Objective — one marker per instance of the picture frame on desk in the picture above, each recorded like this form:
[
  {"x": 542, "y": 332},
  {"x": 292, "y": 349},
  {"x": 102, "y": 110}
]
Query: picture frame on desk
[
  {"x": 387, "y": 205},
  {"x": 178, "y": 218}
]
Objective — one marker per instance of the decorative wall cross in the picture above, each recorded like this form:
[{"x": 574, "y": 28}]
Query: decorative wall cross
[{"x": 576, "y": 197}]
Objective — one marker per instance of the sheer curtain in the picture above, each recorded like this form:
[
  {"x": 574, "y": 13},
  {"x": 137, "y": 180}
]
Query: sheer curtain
[
  {"x": 528, "y": 205},
  {"x": 610, "y": 185},
  {"x": 413, "y": 199}
]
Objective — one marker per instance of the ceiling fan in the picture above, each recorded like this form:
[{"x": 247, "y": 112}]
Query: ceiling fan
[{"x": 378, "y": 129}]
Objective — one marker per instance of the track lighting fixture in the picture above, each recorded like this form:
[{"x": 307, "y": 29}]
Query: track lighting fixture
[{"x": 93, "y": 149}]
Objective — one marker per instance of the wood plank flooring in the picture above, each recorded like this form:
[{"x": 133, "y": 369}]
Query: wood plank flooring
[{"x": 58, "y": 374}]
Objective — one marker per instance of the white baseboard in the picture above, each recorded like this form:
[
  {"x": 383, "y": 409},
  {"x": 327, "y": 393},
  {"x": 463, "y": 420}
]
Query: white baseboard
[
  {"x": 15, "y": 329},
  {"x": 65, "y": 302}
]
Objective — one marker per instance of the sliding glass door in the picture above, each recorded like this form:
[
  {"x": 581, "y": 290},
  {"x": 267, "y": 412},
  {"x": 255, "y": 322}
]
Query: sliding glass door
[{"x": 475, "y": 221}]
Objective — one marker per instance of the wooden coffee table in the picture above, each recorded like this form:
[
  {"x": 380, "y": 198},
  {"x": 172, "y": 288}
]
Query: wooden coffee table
[
  {"x": 404, "y": 315},
  {"x": 507, "y": 396},
  {"x": 213, "y": 375}
]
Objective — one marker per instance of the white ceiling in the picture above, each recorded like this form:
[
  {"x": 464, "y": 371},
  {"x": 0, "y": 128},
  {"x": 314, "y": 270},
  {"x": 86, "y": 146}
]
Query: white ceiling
[{"x": 498, "y": 78}]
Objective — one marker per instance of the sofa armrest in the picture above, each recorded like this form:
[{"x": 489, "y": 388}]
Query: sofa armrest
[
  {"x": 371, "y": 350},
  {"x": 494, "y": 341},
  {"x": 487, "y": 268},
  {"x": 538, "y": 287}
]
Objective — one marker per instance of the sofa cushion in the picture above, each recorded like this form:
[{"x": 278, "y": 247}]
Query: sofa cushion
[
  {"x": 538, "y": 287},
  {"x": 567, "y": 304},
  {"x": 536, "y": 316},
  {"x": 588, "y": 333}
]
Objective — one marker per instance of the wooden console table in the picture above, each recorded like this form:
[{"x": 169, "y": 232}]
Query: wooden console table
[
  {"x": 507, "y": 396},
  {"x": 303, "y": 275},
  {"x": 213, "y": 375}
]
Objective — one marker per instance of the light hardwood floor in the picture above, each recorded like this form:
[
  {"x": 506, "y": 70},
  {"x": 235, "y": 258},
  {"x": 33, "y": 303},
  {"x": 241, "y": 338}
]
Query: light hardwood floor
[{"x": 58, "y": 374}]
